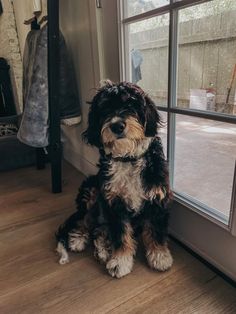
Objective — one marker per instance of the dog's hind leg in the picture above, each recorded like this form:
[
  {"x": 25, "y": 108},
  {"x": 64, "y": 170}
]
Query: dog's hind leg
[
  {"x": 79, "y": 237},
  {"x": 74, "y": 233}
]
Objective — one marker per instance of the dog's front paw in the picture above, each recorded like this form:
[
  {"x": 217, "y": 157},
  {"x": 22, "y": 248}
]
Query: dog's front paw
[
  {"x": 103, "y": 248},
  {"x": 101, "y": 252},
  {"x": 101, "y": 255},
  {"x": 78, "y": 241},
  {"x": 120, "y": 265},
  {"x": 159, "y": 258}
]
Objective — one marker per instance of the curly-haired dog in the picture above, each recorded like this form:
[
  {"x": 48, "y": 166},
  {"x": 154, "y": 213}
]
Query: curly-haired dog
[{"x": 130, "y": 193}]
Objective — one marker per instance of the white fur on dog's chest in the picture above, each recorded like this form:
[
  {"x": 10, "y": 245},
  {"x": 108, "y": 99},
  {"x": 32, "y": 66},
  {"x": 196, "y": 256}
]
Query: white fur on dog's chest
[{"x": 126, "y": 183}]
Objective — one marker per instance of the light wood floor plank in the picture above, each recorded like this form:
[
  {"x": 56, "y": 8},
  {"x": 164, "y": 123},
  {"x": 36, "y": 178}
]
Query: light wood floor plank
[
  {"x": 28, "y": 204},
  {"x": 216, "y": 297},
  {"x": 190, "y": 290},
  {"x": 96, "y": 295}
]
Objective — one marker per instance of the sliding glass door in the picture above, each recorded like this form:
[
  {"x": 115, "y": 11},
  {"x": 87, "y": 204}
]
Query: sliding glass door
[{"x": 183, "y": 53}]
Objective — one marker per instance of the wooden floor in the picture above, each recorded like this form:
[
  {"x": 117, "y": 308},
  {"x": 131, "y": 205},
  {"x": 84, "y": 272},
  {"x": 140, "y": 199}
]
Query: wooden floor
[{"x": 31, "y": 280}]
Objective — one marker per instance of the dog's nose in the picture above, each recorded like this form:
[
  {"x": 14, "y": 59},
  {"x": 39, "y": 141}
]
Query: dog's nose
[{"x": 118, "y": 127}]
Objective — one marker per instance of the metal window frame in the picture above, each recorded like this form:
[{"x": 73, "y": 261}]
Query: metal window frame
[
  {"x": 162, "y": 10},
  {"x": 172, "y": 9}
]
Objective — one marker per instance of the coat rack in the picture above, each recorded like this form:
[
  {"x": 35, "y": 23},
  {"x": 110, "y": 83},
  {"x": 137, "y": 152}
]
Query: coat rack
[{"x": 53, "y": 85}]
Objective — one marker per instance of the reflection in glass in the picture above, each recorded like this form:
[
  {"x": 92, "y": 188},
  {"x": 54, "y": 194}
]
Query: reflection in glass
[
  {"x": 205, "y": 153},
  {"x": 134, "y": 7},
  {"x": 206, "y": 57},
  {"x": 147, "y": 55}
]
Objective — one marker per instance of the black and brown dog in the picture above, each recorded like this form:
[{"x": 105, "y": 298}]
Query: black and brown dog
[{"x": 130, "y": 194}]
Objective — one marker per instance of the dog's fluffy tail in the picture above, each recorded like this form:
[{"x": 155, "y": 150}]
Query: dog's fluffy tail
[{"x": 61, "y": 250}]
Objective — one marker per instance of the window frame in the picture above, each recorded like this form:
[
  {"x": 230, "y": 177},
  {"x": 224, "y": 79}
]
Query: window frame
[{"x": 172, "y": 9}]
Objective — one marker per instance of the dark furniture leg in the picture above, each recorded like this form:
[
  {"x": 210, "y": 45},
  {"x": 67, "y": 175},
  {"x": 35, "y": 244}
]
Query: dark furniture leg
[
  {"x": 40, "y": 158},
  {"x": 53, "y": 86}
]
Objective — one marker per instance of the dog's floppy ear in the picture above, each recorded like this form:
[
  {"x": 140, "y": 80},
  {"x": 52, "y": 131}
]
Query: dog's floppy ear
[
  {"x": 92, "y": 135},
  {"x": 152, "y": 117}
]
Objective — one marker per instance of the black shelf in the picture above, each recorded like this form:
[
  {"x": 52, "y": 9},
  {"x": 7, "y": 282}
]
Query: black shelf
[{"x": 10, "y": 119}]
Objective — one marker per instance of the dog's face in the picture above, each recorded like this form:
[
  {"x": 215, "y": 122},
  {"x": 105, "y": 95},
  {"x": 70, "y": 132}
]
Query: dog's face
[{"x": 121, "y": 116}]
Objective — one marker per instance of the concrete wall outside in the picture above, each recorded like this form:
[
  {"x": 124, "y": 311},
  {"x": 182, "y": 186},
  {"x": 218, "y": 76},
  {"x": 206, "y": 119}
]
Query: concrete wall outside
[{"x": 206, "y": 57}]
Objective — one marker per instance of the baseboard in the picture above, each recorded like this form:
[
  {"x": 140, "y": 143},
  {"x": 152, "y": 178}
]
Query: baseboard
[
  {"x": 205, "y": 258},
  {"x": 78, "y": 161}
]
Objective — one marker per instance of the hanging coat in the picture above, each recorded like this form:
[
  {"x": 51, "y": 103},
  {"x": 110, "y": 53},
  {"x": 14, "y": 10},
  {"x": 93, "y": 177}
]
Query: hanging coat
[{"x": 34, "y": 127}]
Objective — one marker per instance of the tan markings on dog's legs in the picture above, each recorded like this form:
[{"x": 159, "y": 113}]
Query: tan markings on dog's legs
[
  {"x": 64, "y": 257},
  {"x": 121, "y": 262},
  {"x": 110, "y": 196},
  {"x": 90, "y": 197},
  {"x": 156, "y": 191},
  {"x": 129, "y": 244},
  {"x": 158, "y": 256},
  {"x": 102, "y": 245},
  {"x": 79, "y": 237}
]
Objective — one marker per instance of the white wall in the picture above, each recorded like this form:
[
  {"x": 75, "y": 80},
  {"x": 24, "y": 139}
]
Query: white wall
[{"x": 95, "y": 56}]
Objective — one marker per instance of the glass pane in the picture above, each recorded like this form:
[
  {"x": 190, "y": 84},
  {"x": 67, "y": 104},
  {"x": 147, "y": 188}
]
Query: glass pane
[
  {"x": 147, "y": 56},
  {"x": 134, "y": 7},
  {"x": 205, "y": 152},
  {"x": 206, "y": 57}
]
